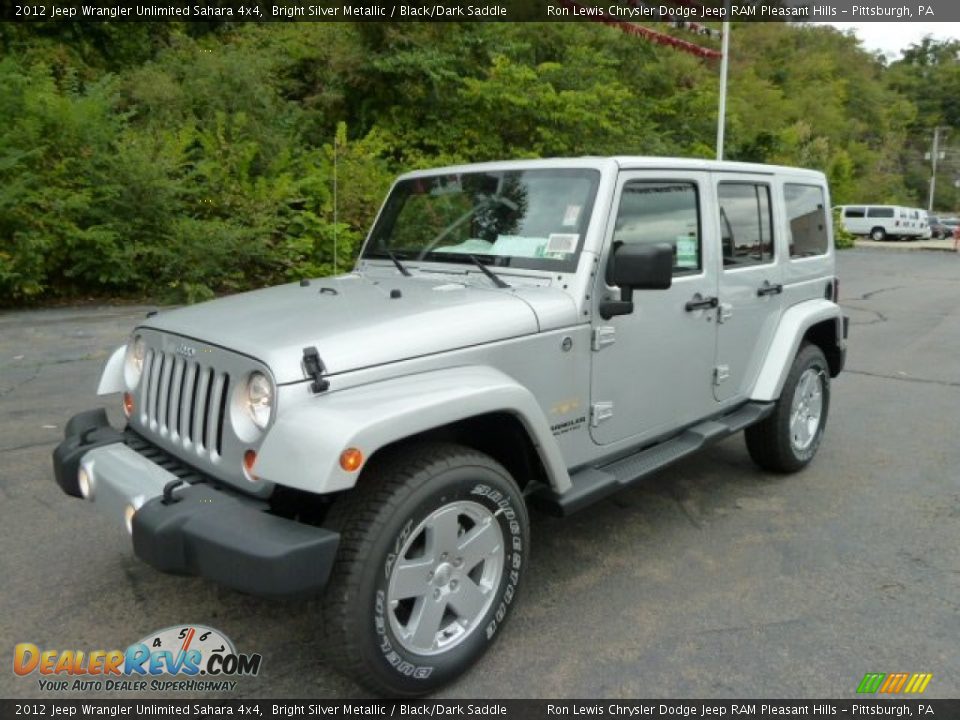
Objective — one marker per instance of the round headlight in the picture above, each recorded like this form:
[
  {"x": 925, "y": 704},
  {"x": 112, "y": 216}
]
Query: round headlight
[
  {"x": 133, "y": 365},
  {"x": 259, "y": 400}
]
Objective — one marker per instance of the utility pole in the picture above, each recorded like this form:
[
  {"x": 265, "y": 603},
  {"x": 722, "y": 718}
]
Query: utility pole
[
  {"x": 934, "y": 156},
  {"x": 724, "y": 66},
  {"x": 336, "y": 146}
]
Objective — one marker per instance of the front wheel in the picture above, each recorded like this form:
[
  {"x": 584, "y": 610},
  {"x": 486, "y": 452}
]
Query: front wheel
[
  {"x": 878, "y": 234},
  {"x": 434, "y": 542},
  {"x": 787, "y": 439}
]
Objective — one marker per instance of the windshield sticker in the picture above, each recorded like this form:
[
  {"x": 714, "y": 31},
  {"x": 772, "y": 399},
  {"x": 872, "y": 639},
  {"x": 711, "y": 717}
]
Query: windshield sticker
[
  {"x": 561, "y": 244},
  {"x": 472, "y": 246},
  {"x": 518, "y": 246},
  {"x": 571, "y": 216},
  {"x": 686, "y": 252}
]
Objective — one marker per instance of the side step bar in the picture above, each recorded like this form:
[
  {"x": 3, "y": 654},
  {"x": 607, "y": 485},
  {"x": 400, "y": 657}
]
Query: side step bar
[{"x": 595, "y": 483}]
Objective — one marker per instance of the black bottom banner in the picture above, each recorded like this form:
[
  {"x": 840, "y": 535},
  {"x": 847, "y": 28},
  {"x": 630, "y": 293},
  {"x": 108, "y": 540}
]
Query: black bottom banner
[{"x": 512, "y": 709}]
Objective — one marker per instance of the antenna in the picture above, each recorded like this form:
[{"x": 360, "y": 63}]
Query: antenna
[{"x": 336, "y": 144}]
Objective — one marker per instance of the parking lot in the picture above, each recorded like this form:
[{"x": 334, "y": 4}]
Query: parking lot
[{"x": 711, "y": 579}]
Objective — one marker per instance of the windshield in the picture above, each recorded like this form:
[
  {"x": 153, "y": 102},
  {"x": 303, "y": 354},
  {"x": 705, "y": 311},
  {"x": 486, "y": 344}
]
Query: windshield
[{"x": 519, "y": 218}]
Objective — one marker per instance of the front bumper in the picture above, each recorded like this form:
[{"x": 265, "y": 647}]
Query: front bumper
[{"x": 199, "y": 528}]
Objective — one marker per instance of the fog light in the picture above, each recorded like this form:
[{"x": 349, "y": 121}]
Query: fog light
[
  {"x": 128, "y": 512},
  {"x": 127, "y": 404},
  {"x": 84, "y": 483},
  {"x": 249, "y": 459},
  {"x": 351, "y": 459}
]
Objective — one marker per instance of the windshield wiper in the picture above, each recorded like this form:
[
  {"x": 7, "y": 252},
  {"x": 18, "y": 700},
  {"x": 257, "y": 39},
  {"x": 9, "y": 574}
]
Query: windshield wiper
[
  {"x": 488, "y": 272},
  {"x": 403, "y": 270}
]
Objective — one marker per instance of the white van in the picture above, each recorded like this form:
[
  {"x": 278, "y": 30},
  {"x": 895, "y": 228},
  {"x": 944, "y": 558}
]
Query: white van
[{"x": 882, "y": 222}]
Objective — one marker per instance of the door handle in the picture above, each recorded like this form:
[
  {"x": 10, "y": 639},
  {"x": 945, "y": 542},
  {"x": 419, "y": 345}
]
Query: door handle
[
  {"x": 768, "y": 289},
  {"x": 700, "y": 303}
]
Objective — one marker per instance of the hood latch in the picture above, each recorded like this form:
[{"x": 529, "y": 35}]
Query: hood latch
[{"x": 313, "y": 366}]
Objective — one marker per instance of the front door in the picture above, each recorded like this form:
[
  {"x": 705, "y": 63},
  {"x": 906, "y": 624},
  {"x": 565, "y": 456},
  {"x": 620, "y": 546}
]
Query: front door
[
  {"x": 750, "y": 282},
  {"x": 652, "y": 369}
]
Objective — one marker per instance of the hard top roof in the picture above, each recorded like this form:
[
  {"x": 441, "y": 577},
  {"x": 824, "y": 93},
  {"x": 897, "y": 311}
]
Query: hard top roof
[{"x": 625, "y": 162}]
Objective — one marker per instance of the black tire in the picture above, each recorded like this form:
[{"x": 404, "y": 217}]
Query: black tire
[
  {"x": 878, "y": 234},
  {"x": 770, "y": 442},
  {"x": 396, "y": 494}
]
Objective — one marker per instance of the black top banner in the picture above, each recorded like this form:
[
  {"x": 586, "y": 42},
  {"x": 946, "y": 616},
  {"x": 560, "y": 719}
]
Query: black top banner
[{"x": 677, "y": 11}]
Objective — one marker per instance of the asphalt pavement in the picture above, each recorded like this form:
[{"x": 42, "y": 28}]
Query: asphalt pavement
[{"x": 712, "y": 579}]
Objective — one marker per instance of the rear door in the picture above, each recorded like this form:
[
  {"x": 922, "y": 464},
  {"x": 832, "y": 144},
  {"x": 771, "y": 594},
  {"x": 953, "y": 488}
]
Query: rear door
[{"x": 751, "y": 280}]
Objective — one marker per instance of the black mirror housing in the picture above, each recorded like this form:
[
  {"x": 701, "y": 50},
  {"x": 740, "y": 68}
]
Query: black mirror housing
[
  {"x": 636, "y": 267},
  {"x": 641, "y": 267}
]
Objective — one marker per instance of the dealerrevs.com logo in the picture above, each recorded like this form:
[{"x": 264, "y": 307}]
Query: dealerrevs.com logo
[{"x": 187, "y": 658}]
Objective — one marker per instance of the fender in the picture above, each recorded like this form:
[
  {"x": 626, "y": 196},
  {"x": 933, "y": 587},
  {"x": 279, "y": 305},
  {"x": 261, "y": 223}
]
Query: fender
[
  {"x": 302, "y": 448},
  {"x": 794, "y": 323},
  {"x": 111, "y": 380}
]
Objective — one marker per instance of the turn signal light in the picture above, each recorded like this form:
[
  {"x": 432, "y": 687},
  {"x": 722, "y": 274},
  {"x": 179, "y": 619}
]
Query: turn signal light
[
  {"x": 249, "y": 459},
  {"x": 127, "y": 404},
  {"x": 351, "y": 459}
]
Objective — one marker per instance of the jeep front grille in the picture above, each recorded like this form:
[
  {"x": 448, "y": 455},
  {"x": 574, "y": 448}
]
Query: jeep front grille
[{"x": 185, "y": 401}]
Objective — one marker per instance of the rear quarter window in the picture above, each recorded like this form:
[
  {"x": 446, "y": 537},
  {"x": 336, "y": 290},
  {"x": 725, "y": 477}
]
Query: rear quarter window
[{"x": 806, "y": 220}]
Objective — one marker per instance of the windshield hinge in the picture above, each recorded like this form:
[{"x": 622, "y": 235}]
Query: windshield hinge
[
  {"x": 603, "y": 336},
  {"x": 313, "y": 366}
]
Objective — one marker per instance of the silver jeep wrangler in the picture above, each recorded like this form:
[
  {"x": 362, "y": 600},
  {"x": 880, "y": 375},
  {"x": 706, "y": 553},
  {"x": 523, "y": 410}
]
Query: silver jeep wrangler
[{"x": 536, "y": 333}]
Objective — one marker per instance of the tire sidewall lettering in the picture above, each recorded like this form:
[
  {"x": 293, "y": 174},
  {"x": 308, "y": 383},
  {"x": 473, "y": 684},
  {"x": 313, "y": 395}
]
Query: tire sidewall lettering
[{"x": 511, "y": 578}]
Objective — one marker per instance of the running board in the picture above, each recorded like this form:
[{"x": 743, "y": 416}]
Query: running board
[{"x": 595, "y": 483}]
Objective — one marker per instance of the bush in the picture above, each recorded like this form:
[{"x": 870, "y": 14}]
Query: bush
[{"x": 842, "y": 238}]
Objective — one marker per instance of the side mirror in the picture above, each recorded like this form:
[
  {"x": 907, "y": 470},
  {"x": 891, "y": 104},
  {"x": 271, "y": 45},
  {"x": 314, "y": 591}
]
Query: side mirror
[{"x": 636, "y": 267}]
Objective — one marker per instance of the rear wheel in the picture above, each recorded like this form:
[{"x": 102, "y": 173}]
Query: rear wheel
[
  {"x": 787, "y": 439},
  {"x": 878, "y": 234},
  {"x": 433, "y": 546}
]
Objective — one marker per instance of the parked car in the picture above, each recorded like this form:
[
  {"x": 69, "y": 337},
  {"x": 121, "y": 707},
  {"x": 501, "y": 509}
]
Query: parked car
[
  {"x": 538, "y": 332},
  {"x": 883, "y": 222},
  {"x": 938, "y": 229},
  {"x": 950, "y": 224}
]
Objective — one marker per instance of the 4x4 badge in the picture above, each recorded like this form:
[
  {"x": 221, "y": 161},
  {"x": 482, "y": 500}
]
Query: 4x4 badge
[{"x": 185, "y": 350}]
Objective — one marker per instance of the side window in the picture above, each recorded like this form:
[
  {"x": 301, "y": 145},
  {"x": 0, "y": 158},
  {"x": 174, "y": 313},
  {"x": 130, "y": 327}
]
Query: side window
[
  {"x": 807, "y": 220},
  {"x": 745, "y": 224},
  {"x": 662, "y": 212},
  {"x": 854, "y": 212},
  {"x": 880, "y": 212}
]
